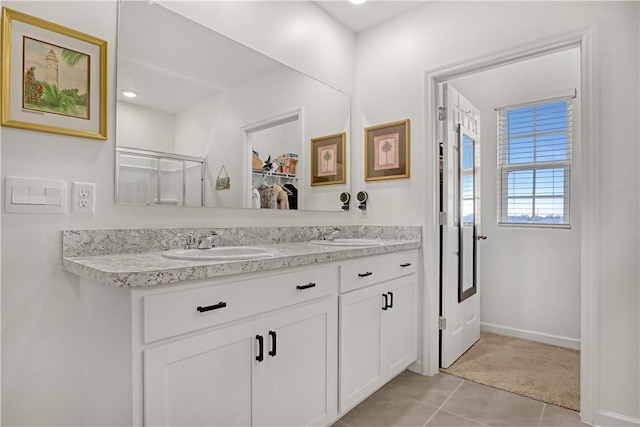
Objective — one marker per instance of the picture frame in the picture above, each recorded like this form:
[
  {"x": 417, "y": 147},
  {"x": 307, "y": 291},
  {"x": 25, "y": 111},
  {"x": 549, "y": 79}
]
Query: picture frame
[
  {"x": 328, "y": 160},
  {"x": 54, "y": 79},
  {"x": 387, "y": 149}
]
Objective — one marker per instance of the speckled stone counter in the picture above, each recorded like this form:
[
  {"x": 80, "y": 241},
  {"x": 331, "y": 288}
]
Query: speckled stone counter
[{"x": 117, "y": 257}]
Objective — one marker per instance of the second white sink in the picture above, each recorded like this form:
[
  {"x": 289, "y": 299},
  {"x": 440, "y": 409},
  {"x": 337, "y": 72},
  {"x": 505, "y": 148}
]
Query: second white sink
[
  {"x": 348, "y": 242},
  {"x": 222, "y": 253}
]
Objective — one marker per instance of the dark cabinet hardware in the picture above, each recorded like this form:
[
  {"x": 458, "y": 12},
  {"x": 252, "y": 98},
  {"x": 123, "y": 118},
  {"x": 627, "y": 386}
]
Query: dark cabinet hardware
[
  {"x": 272, "y": 352},
  {"x": 260, "y": 356},
  {"x": 406, "y": 264},
  {"x": 368, "y": 273},
  {"x": 390, "y": 299},
  {"x": 310, "y": 285},
  {"x": 385, "y": 306},
  {"x": 221, "y": 304}
]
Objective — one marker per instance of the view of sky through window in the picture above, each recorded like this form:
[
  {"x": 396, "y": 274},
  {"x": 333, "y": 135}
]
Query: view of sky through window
[{"x": 534, "y": 155}]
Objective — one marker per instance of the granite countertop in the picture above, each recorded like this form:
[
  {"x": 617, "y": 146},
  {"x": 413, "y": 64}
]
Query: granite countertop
[{"x": 151, "y": 268}]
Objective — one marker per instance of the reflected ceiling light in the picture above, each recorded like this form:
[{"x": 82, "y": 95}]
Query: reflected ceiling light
[
  {"x": 129, "y": 93},
  {"x": 357, "y": 1}
]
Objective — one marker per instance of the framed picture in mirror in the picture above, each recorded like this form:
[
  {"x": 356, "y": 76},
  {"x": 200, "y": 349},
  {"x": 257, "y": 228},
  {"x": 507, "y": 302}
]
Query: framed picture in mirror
[
  {"x": 328, "y": 160},
  {"x": 54, "y": 79},
  {"x": 387, "y": 151}
]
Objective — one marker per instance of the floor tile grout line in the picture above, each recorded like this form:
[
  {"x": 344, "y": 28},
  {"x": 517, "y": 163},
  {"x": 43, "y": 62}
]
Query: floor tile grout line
[
  {"x": 544, "y": 406},
  {"x": 466, "y": 418},
  {"x": 443, "y": 403}
]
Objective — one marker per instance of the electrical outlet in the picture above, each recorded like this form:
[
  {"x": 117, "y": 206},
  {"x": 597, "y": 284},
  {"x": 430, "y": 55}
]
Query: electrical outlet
[{"x": 83, "y": 197}]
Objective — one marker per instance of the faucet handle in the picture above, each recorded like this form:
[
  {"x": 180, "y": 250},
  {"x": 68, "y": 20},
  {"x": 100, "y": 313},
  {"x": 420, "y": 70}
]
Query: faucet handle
[{"x": 190, "y": 239}]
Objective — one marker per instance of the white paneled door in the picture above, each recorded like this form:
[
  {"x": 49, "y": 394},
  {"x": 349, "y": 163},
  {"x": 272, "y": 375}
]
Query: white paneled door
[{"x": 461, "y": 232}]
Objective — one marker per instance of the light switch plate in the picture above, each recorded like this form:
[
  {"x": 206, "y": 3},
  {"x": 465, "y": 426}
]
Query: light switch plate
[
  {"x": 83, "y": 197},
  {"x": 29, "y": 195}
]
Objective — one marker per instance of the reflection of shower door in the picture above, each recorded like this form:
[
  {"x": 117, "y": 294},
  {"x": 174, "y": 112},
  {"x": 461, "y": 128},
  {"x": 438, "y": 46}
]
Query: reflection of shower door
[{"x": 460, "y": 298}]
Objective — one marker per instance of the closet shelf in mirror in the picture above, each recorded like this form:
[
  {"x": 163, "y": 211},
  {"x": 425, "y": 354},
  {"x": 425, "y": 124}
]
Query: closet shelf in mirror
[{"x": 276, "y": 174}]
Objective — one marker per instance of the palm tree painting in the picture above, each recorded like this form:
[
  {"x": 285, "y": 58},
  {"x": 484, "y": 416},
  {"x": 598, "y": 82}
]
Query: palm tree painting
[
  {"x": 386, "y": 152},
  {"x": 55, "y": 80},
  {"x": 327, "y": 162}
]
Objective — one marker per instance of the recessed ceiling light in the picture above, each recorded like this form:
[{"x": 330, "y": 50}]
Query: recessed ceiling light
[
  {"x": 357, "y": 1},
  {"x": 129, "y": 93}
]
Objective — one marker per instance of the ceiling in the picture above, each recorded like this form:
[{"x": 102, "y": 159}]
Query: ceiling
[{"x": 362, "y": 16}]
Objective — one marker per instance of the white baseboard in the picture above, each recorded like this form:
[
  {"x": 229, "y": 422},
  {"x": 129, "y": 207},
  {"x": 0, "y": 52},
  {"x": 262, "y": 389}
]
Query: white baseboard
[
  {"x": 532, "y": 335},
  {"x": 611, "y": 419},
  {"x": 417, "y": 367}
]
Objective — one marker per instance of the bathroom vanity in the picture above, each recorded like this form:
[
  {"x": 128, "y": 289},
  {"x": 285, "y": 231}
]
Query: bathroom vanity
[{"x": 298, "y": 338}]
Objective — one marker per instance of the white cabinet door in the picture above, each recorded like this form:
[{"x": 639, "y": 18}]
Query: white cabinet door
[
  {"x": 399, "y": 326},
  {"x": 218, "y": 379},
  {"x": 302, "y": 361},
  {"x": 360, "y": 344},
  {"x": 378, "y": 337},
  {"x": 207, "y": 380}
]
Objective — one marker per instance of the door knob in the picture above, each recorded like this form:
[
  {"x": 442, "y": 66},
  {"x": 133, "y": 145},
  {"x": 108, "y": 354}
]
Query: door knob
[{"x": 482, "y": 237}]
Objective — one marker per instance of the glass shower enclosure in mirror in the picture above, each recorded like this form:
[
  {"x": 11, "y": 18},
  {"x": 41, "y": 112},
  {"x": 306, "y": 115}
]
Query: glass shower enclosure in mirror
[{"x": 205, "y": 108}]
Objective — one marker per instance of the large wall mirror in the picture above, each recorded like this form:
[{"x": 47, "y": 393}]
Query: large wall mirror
[{"x": 214, "y": 123}]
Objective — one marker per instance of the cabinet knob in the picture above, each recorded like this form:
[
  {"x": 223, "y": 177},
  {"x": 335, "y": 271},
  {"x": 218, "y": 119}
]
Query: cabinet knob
[
  {"x": 368, "y": 273},
  {"x": 406, "y": 264},
  {"x": 385, "y": 305}
]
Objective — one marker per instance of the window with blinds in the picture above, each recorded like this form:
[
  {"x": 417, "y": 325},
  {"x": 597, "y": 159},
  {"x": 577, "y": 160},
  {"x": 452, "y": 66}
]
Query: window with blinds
[{"x": 534, "y": 163}]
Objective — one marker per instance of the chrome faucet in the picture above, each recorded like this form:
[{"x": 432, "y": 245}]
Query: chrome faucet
[
  {"x": 331, "y": 235},
  {"x": 206, "y": 242}
]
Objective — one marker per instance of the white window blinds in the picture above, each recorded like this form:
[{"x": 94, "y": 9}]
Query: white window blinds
[{"x": 534, "y": 162}]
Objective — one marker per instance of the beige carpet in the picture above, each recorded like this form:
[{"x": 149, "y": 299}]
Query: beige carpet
[{"x": 540, "y": 371}]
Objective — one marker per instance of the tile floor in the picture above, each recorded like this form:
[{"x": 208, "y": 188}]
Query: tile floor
[{"x": 447, "y": 401}]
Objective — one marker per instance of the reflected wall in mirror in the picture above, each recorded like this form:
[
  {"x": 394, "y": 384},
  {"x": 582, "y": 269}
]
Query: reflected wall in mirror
[{"x": 201, "y": 95}]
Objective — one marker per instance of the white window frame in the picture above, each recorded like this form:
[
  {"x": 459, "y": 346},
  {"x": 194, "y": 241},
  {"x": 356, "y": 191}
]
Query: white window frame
[{"x": 504, "y": 168}]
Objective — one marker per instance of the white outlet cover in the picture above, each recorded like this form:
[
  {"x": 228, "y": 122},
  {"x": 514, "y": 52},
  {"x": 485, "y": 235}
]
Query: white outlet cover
[{"x": 83, "y": 197}]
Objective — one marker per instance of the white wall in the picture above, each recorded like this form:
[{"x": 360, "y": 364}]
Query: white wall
[
  {"x": 390, "y": 69},
  {"x": 527, "y": 289},
  {"x": 40, "y": 359},
  {"x": 145, "y": 128}
]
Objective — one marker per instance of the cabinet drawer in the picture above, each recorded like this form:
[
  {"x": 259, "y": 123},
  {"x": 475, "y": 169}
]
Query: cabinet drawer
[
  {"x": 375, "y": 269},
  {"x": 182, "y": 311}
]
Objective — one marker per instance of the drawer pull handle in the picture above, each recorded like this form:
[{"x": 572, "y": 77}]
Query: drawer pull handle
[
  {"x": 221, "y": 304},
  {"x": 407, "y": 264},
  {"x": 260, "y": 356},
  {"x": 390, "y": 299},
  {"x": 368, "y": 273},
  {"x": 272, "y": 352},
  {"x": 385, "y": 305},
  {"x": 302, "y": 287}
]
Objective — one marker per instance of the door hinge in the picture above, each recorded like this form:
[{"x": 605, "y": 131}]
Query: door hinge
[
  {"x": 442, "y": 323},
  {"x": 442, "y": 218},
  {"x": 442, "y": 113}
]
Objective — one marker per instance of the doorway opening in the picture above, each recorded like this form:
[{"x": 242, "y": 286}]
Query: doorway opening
[
  {"x": 588, "y": 238},
  {"x": 270, "y": 146}
]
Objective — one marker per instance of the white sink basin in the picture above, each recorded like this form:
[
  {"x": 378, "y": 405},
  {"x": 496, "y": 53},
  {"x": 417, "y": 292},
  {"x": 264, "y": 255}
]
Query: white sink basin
[
  {"x": 348, "y": 242},
  {"x": 222, "y": 253}
]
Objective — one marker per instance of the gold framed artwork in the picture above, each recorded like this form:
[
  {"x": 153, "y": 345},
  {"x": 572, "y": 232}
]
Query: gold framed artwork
[
  {"x": 387, "y": 151},
  {"x": 328, "y": 155},
  {"x": 54, "y": 79}
]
